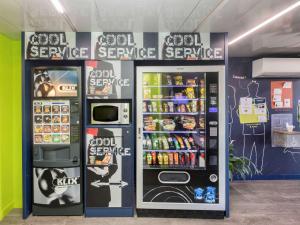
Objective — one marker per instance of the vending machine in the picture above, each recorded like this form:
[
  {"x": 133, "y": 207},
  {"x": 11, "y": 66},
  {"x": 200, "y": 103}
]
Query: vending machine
[
  {"x": 56, "y": 140},
  {"x": 181, "y": 141},
  {"x": 109, "y": 138}
]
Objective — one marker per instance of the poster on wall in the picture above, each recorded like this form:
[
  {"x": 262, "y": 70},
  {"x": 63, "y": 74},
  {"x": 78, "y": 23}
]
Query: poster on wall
[
  {"x": 109, "y": 79},
  {"x": 123, "y": 45},
  {"x": 252, "y": 110},
  {"x": 51, "y": 122},
  {"x": 282, "y": 94},
  {"x": 105, "y": 149},
  {"x": 55, "y": 82},
  {"x": 279, "y": 122},
  {"x": 57, "y": 45},
  {"x": 190, "y": 46},
  {"x": 54, "y": 187}
]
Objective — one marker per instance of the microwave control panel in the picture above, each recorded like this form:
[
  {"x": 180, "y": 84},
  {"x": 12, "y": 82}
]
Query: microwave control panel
[{"x": 125, "y": 115}]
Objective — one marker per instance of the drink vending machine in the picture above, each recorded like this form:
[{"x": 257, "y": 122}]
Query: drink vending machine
[
  {"x": 56, "y": 140},
  {"x": 181, "y": 141},
  {"x": 109, "y": 138}
]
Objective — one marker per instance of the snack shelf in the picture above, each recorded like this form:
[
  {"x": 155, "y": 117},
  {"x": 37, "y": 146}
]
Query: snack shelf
[
  {"x": 173, "y": 167},
  {"x": 171, "y": 99},
  {"x": 171, "y": 113},
  {"x": 169, "y": 86},
  {"x": 171, "y": 132},
  {"x": 171, "y": 150}
]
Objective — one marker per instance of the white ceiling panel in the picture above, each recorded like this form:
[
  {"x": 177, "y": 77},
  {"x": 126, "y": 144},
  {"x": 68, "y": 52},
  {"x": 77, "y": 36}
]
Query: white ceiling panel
[
  {"x": 40, "y": 15},
  {"x": 130, "y": 15},
  {"x": 237, "y": 17},
  {"x": 200, "y": 13},
  {"x": 232, "y": 16}
]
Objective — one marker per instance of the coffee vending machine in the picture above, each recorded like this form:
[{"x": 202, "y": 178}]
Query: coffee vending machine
[
  {"x": 109, "y": 138},
  {"x": 56, "y": 140}
]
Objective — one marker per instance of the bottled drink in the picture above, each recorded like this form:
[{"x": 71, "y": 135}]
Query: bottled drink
[
  {"x": 182, "y": 158},
  {"x": 165, "y": 143},
  {"x": 153, "y": 158},
  {"x": 166, "y": 107},
  {"x": 155, "y": 144},
  {"x": 160, "y": 108},
  {"x": 160, "y": 158},
  {"x": 144, "y": 107},
  {"x": 176, "y": 158},
  {"x": 187, "y": 159},
  {"x": 202, "y": 159},
  {"x": 166, "y": 159},
  {"x": 145, "y": 157},
  {"x": 145, "y": 142},
  {"x": 149, "y": 158},
  {"x": 150, "y": 107},
  {"x": 171, "y": 143},
  {"x": 192, "y": 142},
  {"x": 193, "y": 159},
  {"x": 148, "y": 142},
  {"x": 160, "y": 142},
  {"x": 202, "y": 141},
  {"x": 171, "y": 158},
  {"x": 154, "y": 106},
  {"x": 171, "y": 107}
]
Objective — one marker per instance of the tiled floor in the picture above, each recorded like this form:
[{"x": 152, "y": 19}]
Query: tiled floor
[{"x": 255, "y": 202}]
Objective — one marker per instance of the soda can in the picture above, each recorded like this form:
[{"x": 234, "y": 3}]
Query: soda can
[
  {"x": 160, "y": 158},
  {"x": 193, "y": 159},
  {"x": 166, "y": 159},
  {"x": 153, "y": 158},
  {"x": 176, "y": 158},
  {"x": 171, "y": 158},
  {"x": 187, "y": 159},
  {"x": 149, "y": 158}
]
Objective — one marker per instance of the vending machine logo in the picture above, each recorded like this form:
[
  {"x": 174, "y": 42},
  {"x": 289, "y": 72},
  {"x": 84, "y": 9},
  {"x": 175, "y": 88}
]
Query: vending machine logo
[
  {"x": 56, "y": 186},
  {"x": 190, "y": 46},
  {"x": 107, "y": 79},
  {"x": 53, "y": 45},
  {"x": 122, "y": 46},
  {"x": 66, "y": 181},
  {"x": 99, "y": 146},
  {"x": 105, "y": 157}
]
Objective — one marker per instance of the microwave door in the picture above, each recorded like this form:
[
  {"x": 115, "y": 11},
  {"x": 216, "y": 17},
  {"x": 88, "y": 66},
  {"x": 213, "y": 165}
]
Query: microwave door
[{"x": 105, "y": 114}]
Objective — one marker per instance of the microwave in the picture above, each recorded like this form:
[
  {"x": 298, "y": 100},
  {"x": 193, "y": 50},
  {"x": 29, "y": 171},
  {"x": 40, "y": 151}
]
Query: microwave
[{"x": 110, "y": 113}]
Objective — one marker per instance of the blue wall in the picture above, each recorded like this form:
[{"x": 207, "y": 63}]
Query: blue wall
[{"x": 277, "y": 163}]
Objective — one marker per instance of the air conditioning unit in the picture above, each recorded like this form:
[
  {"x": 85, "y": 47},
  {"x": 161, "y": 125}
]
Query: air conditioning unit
[{"x": 276, "y": 68}]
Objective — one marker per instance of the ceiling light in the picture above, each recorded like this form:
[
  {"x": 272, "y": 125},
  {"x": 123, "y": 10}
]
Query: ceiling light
[
  {"x": 58, "y": 6},
  {"x": 266, "y": 22}
]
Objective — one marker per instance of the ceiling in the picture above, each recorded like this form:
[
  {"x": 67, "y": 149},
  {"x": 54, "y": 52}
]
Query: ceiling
[{"x": 232, "y": 16}]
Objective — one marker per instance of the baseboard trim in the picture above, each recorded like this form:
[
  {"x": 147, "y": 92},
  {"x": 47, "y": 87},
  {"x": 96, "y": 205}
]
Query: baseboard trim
[{"x": 6, "y": 210}]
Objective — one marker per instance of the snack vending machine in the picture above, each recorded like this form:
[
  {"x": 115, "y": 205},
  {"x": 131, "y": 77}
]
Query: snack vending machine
[
  {"x": 109, "y": 138},
  {"x": 56, "y": 132},
  {"x": 181, "y": 141}
]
